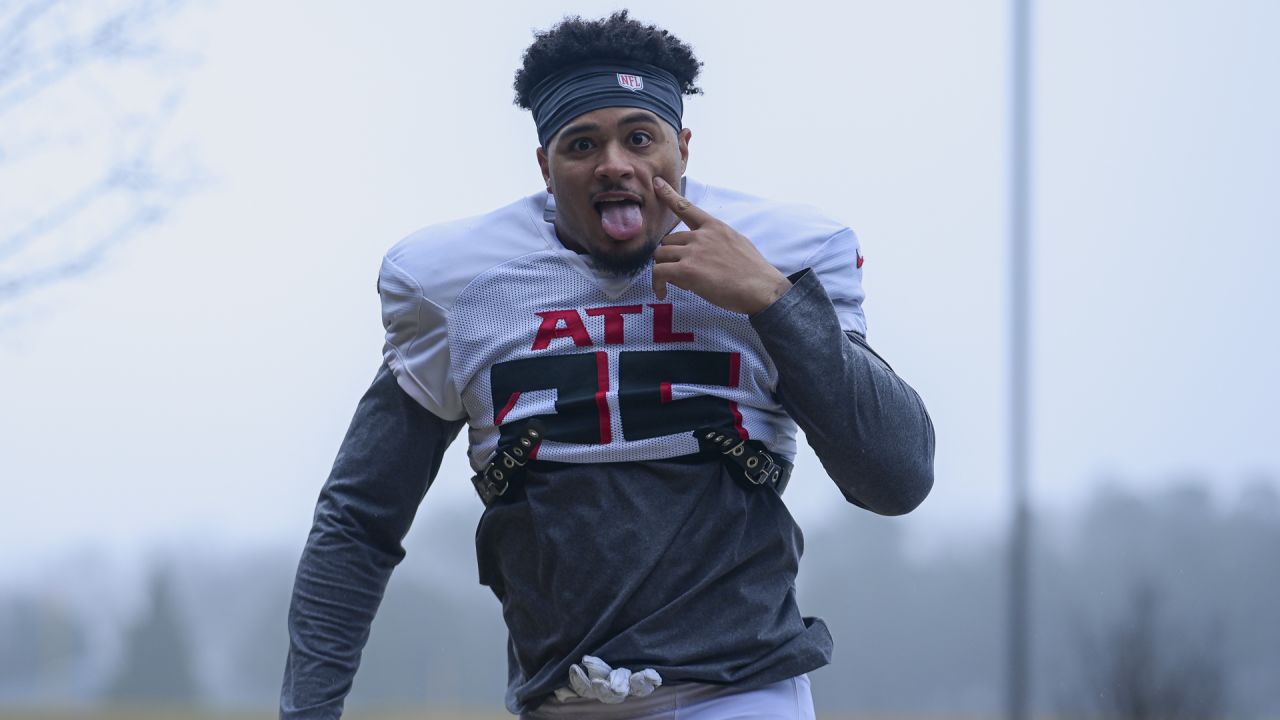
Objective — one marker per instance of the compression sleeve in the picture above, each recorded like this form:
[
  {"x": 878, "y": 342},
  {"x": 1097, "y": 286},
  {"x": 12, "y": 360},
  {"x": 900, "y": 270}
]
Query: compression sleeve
[
  {"x": 387, "y": 461},
  {"x": 869, "y": 429}
]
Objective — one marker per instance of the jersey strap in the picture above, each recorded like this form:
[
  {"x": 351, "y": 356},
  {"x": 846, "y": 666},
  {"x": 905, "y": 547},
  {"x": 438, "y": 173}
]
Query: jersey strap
[
  {"x": 748, "y": 458},
  {"x": 493, "y": 482}
]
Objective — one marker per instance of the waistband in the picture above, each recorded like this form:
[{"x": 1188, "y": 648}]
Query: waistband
[{"x": 675, "y": 701}]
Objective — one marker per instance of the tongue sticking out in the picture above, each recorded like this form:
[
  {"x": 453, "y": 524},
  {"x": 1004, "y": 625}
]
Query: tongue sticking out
[{"x": 621, "y": 220}]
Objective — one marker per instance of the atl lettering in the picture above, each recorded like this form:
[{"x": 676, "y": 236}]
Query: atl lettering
[{"x": 557, "y": 324}]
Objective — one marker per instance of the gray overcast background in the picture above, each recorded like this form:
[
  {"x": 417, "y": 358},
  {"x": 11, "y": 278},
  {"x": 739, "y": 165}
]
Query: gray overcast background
[{"x": 195, "y": 389}]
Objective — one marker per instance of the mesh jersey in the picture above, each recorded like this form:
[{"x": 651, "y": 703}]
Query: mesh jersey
[{"x": 491, "y": 319}]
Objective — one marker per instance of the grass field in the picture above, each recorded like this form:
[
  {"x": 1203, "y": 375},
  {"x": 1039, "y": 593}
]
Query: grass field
[
  {"x": 268, "y": 715},
  {"x": 414, "y": 715},
  {"x": 420, "y": 714},
  {"x": 398, "y": 715},
  {"x": 425, "y": 714},
  {"x": 123, "y": 714}
]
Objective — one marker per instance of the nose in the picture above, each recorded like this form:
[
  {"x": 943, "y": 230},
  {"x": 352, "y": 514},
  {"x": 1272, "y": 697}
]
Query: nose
[{"x": 615, "y": 164}]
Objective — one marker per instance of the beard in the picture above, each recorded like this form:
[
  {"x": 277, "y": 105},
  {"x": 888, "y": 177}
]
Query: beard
[{"x": 624, "y": 265}]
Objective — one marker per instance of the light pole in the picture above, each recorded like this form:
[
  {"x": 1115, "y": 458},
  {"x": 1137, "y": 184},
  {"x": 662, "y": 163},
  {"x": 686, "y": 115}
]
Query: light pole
[{"x": 1019, "y": 648}]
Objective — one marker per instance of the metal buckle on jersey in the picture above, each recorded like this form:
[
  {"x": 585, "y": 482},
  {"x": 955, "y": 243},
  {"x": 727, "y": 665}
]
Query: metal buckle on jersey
[
  {"x": 496, "y": 478},
  {"x": 751, "y": 457}
]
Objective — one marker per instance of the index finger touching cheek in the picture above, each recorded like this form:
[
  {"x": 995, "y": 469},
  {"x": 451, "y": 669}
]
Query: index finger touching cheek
[{"x": 691, "y": 214}]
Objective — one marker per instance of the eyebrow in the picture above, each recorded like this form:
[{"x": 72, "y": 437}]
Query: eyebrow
[{"x": 637, "y": 117}]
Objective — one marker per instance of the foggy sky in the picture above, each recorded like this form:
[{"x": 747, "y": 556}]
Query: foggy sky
[{"x": 198, "y": 385}]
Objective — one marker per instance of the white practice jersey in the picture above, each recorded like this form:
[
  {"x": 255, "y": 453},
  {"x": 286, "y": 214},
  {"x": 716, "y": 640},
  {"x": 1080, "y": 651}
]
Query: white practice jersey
[{"x": 491, "y": 319}]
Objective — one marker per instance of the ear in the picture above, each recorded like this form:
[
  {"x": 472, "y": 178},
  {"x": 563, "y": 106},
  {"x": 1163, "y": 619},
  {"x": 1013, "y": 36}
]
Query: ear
[
  {"x": 684, "y": 137},
  {"x": 546, "y": 168}
]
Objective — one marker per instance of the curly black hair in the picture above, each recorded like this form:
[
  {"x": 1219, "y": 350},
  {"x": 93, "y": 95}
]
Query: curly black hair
[{"x": 575, "y": 41}]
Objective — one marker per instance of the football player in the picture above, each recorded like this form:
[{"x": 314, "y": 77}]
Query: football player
[{"x": 631, "y": 352}]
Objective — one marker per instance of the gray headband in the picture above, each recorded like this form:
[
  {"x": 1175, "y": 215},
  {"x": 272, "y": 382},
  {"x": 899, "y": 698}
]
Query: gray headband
[{"x": 568, "y": 94}]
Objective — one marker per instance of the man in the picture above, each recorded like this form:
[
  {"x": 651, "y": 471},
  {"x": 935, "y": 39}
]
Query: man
[{"x": 631, "y": 352}]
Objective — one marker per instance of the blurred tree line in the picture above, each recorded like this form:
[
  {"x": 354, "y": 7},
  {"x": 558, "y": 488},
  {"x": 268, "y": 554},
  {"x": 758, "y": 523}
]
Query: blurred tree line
[
  {"x": 1161, "y": 598},
  {"x": 1146, "y": 606}
]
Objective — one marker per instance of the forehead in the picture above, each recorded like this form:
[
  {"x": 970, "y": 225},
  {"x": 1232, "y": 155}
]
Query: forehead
[{"x": 609, "y": 118}]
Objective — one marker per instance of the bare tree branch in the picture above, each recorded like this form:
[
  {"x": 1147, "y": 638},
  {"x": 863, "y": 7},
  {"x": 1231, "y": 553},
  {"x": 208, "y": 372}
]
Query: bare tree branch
[{"x": 83, "y": 154}]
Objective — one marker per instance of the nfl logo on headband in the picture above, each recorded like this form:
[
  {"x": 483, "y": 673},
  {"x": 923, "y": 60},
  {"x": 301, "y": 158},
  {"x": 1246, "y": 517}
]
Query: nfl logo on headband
[{"x": 633, "y": 83}]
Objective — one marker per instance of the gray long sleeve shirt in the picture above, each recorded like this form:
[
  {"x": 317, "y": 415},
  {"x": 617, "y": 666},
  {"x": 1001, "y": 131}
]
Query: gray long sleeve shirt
[{"x": 669, "y": 564}]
